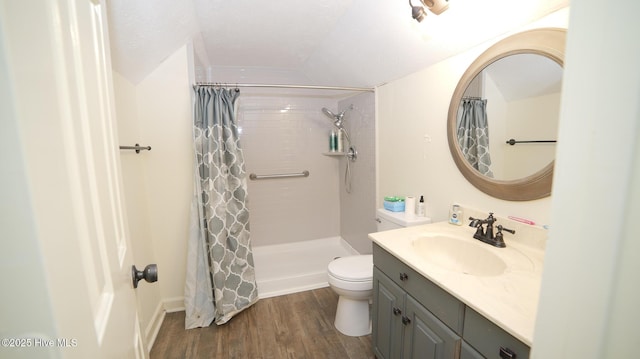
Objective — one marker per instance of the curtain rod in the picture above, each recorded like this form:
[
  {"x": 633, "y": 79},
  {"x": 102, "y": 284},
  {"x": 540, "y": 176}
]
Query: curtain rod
[{"x": 310, "y": 87}]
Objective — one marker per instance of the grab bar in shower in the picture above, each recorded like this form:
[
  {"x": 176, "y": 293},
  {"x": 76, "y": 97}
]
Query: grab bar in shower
[
  {"x": 254, "y": 176},
  {"x": 137, "y": 148}
]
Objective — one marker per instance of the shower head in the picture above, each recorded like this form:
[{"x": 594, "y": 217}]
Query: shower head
[
  {"x": 337, "y": 119},
  {"x": 328, "y": 113}
]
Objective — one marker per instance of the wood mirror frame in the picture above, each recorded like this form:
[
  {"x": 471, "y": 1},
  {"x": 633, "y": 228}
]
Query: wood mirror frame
[{"x": 548, "y": 42}]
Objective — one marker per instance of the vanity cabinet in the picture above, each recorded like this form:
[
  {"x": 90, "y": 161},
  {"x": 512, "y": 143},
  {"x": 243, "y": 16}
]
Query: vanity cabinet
[
  {"x": 406, "y": 329},
  {"x": 404, "y": 323},
  {"x": 415, "y": 318}
]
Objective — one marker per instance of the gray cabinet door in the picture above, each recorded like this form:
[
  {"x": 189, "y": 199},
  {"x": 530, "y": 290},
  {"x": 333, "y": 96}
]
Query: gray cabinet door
[
  {"x": 425, "y": 336},
  {"x": 387, "y": 312},
  {"x": 468, "y": 352},
  {"x": 403, "y": 328},
  {"x": 489, "y": 339}
]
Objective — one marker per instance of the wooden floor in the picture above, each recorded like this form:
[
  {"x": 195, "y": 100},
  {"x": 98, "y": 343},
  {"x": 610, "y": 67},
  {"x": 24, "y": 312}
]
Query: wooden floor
[{"x": 292, "y": 326}]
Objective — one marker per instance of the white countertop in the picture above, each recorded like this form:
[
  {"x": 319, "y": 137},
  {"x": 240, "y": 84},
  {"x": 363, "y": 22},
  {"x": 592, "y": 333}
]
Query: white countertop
[{"x": 509, "y": 300}]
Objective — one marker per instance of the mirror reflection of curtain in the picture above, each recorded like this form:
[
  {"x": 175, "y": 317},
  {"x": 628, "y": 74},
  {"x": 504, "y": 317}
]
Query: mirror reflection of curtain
[
  {"x": 473, "y": 134},
  {"x": 220, "y": 269}
]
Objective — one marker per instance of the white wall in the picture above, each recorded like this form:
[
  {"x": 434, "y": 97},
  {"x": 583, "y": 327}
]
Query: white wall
[
  {"x": 164, "y": 111},
  {"x": 25, "y": 303},
  {"x": 413, "y": 154},
  {"x": 134, "y": 178},
  {"x": 497, "y": 108},
  {"x": 590, "y": 293},
  {"x": 530, "y": 119}
]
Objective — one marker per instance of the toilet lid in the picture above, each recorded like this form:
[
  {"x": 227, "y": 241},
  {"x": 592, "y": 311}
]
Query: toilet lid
[{"x": 353, "y": 268}]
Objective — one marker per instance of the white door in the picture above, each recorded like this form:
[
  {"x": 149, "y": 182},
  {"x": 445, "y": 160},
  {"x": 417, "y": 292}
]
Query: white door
[{"x": 58, "y": 58}]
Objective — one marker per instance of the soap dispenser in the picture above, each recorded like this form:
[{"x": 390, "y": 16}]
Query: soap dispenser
[
  {"x": 455, "y": 215},
  {"x": 420, "y": 208}
]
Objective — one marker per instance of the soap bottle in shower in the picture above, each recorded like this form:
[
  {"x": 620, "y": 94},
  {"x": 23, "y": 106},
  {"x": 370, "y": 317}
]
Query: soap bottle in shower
[
  {"x": 339, "y": 141},
  {"x": 420, "y": 207},
  {"x": 333, "y": 141},
  {"x": 455, "y": 215}
]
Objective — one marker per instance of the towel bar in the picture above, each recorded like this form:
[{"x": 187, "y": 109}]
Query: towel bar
[{"x": 137, "y": 147}]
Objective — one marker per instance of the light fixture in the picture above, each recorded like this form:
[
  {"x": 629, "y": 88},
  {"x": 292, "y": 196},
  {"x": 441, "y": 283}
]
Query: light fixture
[
  {"x": 417, "y": 12},
  {"x": 435, "y": 6}
]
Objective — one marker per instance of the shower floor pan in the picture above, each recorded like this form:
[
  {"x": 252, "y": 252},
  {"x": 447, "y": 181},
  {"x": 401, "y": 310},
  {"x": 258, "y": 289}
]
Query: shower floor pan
[{"x": 295, "y": 267}]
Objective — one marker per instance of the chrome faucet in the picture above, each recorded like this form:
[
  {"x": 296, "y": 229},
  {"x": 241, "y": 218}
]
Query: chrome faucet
[{"x": 487, "y": 236}]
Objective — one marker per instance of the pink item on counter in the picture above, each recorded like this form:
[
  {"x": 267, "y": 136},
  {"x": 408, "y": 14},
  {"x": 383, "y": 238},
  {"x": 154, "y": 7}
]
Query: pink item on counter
[{"x": 521, "y": 220}]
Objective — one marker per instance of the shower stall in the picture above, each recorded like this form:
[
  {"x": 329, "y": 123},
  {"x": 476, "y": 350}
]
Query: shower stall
[{"x": 301, "y": 214}]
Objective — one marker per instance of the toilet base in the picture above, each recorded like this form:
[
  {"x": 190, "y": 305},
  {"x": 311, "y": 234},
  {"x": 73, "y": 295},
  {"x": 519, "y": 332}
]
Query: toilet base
[{"x": 352, "y": 317}]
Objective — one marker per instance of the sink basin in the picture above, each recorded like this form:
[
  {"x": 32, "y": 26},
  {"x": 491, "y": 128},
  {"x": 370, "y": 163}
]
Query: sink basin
[{"x": 459, "y": 255}]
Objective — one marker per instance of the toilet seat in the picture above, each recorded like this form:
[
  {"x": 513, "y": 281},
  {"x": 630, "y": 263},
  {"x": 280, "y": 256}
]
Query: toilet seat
[{"x": 357, "y": 268}]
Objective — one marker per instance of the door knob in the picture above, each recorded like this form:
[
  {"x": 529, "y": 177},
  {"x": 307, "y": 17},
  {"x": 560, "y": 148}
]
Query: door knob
[{"x": 150, "y": 274}]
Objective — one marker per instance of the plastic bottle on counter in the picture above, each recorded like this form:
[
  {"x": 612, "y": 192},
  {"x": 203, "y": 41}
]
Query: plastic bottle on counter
[
  {"x": 455, "y": 215},
  {"x": 420, "y": 211}
]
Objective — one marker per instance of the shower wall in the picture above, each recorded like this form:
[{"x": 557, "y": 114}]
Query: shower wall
[
  {"x": 288, "y": 134},
  {"x": 358, "y": 208}
]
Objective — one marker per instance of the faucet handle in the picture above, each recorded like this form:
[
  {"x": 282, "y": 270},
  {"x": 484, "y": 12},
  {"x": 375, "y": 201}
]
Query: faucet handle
[
  {"x": 474, "y": 222},
  {"x": 491, "y": 219},
  {"x": 477, "y": 224},
  {"x": 501, "y": 228}
]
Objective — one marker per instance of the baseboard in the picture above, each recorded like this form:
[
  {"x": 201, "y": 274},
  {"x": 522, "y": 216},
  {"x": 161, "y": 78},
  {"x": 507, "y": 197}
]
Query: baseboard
[
  {"x": 175, "y": 304},
  {"x": 151, "y": 331},
  {"x": 170, "y": 305}
]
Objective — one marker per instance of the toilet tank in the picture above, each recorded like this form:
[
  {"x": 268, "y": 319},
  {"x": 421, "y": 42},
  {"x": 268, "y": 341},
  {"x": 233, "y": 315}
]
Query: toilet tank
[{"x": 393, "y": 220}]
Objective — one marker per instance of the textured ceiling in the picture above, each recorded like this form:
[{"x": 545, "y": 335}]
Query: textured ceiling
[{"x": 321, "y": 42}]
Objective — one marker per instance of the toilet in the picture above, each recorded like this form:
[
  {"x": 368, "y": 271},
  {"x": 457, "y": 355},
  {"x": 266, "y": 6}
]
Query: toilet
[{"x": 351, "y": 278}]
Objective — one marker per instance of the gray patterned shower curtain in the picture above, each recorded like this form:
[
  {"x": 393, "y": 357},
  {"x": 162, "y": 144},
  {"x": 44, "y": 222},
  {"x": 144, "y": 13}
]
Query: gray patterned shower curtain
[
  {"x": 473, "y": 134},
  {"x": 220, "y": 270}
]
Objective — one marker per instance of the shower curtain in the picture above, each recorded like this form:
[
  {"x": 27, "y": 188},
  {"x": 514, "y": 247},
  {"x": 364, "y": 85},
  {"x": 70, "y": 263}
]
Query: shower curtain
[
  {"x": 473, "y": 134},
  {"x": 220, "y": 270}
]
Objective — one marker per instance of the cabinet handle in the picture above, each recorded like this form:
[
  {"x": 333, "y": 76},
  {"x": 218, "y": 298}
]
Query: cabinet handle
[
  {"x": 506, "y": 353},
  {"x": 406, "y": 320},
  {"x": 396, "y": 311},
  {"x": 403, "y": 276}
]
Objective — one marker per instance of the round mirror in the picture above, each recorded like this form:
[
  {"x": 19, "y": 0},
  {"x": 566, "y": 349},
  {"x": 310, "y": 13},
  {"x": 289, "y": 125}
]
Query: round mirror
[{"x": 503, "y": 116}]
